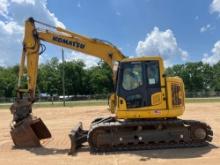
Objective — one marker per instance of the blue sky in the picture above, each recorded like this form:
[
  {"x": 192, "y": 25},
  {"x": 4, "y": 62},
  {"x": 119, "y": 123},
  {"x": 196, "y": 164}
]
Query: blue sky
[
  {"x": 125, "y": 22},
  {"x": 180, "y": 31}
]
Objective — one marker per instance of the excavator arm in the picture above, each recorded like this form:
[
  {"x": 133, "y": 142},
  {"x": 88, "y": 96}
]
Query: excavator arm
[{"x": 26, "y": 129}]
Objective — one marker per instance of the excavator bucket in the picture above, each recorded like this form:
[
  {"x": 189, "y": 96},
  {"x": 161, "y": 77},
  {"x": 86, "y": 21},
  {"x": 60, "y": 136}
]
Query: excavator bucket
[
  {"x": 78, "y": 136},
  {"x": 26, "y": 129},
  {"x": 29, "y": 132}
]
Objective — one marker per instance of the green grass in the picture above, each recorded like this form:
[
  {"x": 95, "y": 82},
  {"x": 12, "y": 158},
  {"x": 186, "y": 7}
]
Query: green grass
[
  {"x": 72, "y": 103},
  {"x": 102, "y": 102},
  {"x": 4, "y": 106},
  {"x": 203, "y": 100},
  {"x": 60, "y": 104}
]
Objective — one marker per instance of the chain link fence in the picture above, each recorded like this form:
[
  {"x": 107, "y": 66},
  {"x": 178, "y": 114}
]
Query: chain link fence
[
  {"x": 202, "y": 94},
  {"x": 56, "y": 98}
]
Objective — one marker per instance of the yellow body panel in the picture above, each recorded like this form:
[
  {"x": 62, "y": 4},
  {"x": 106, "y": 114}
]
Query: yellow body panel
[
  {"x": 148, "y": 114},
  {"x": 156, "y": 98},
  {"x": 175, "y": 81},
  {"x": 165, "y": 109}
]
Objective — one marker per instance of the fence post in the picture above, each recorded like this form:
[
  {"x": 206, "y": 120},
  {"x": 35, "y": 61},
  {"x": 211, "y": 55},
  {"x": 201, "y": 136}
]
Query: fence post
[{"x": 63, "y": 80}]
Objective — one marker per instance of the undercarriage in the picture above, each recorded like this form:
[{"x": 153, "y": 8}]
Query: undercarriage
[{"x": 109, "y": 134}]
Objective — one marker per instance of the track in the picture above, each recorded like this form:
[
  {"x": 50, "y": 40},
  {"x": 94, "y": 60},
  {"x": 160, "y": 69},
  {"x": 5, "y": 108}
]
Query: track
[{"x": 108, "y": 134}]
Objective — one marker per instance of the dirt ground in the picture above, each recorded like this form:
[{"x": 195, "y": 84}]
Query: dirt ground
[{"x": 61, "y": 120}]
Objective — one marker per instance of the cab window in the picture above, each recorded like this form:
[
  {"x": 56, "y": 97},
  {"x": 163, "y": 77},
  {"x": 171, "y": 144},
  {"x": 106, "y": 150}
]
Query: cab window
[
  {"x": 153, "y": 73},
  {"x": 132, "y": 76}
]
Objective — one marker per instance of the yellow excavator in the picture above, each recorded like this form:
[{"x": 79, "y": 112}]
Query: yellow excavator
[{"x": 146, "y": 103}]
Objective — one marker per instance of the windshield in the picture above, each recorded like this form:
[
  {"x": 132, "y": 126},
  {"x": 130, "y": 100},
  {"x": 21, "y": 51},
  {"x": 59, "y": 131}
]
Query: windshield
[{"x": 132, "y": 76}]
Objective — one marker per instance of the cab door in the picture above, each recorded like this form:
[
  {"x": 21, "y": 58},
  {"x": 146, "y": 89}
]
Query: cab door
[
  {"x": 131, "y": 84},
  {"x": 152, "y": 80},
  {"x": 137, "y": 82}
]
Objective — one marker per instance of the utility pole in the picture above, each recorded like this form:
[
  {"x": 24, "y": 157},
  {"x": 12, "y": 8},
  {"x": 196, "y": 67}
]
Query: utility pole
[{"x": 63, "y": 80}]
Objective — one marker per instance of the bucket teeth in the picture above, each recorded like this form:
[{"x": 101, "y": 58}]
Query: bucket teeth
[{"x": 78, "y": 136}]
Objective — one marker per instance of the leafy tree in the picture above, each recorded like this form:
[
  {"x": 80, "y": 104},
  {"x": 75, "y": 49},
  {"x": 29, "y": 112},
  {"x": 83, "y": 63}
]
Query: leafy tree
[
  {"x": 100, "y": 79},
  {"x": 49, "y": 79},
  {"x": 216, "y": 77},
  {"x": 8, "y": 81},
  {"x": 74, "y": 77},
  {"x": 198, "y": 77}
]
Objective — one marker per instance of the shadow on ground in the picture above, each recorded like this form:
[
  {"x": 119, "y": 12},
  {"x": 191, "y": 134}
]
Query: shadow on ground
[
  {"x": 44, "y": 151},
  {"x": 180, "y": 153}
]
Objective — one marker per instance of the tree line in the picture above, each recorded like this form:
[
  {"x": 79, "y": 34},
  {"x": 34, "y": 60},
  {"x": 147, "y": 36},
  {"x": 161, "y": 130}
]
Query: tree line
[
  {"x": 79, "y": 80},
  {"x": 198, "y": 78}
]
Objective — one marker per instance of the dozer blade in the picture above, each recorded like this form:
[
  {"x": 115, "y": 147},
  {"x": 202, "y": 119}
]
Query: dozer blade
[
  {"x": 29, "y": 132},
  {"x": 78, "y": 136}
]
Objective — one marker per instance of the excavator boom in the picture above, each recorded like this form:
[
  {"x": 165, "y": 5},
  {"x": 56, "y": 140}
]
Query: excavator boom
[{"x": 32, "y": 48}]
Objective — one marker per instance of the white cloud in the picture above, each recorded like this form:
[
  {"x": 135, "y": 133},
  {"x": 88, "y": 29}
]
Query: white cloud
[
  {"x": 215, "y": 6},
  {"x": 161, "y": 43},
  {"x": 205, "y": 28},
  {"x": 11, "y": 29},
  {"x": 69, "y": 55},
  {"x": 3, "y": 7},
  {"x": 10, "y": 42},
  {"x": 87, "y": 59},
  {"x": 24, "y": 1},
  {"x": 215, "y": 55},
  {"x": 22, "y": 9}
]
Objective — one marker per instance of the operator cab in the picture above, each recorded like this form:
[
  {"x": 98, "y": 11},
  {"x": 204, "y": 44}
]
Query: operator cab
[{"x": 138, "y": 80}]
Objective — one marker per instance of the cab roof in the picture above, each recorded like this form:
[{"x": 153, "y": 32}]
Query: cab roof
[{"x": 143, "y": 58}]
